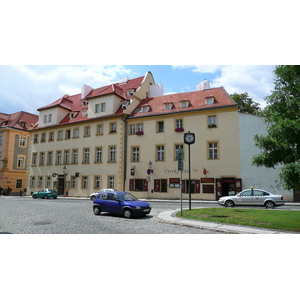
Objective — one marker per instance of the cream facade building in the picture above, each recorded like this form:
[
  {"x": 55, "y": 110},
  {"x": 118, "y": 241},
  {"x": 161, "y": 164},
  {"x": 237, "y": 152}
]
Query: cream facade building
[{"x": 126, "y": 135}]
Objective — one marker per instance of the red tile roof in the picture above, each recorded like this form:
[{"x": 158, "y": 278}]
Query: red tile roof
[
  {"x": 196, "y": 102},
  {"x": 74, "y": 103},
  {"x": 18, "y": 119}
]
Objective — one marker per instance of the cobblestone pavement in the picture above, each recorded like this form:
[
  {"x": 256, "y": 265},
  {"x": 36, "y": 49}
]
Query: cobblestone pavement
[{"x": 24, "y": 215}]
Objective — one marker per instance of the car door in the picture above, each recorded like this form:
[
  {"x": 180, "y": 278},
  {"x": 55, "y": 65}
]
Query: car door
[
  {"x": 113, "y": 203},
  {"x": 102, "y": 201},
  {"x": 258, "y": 197},
  {"x": 245, "y": 198}
]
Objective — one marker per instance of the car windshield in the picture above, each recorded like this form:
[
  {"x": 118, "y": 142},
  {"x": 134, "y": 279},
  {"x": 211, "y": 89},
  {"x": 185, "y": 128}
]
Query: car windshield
[
  {"x": 51, "y": 190},
  {"x": 127, "y": 197}
]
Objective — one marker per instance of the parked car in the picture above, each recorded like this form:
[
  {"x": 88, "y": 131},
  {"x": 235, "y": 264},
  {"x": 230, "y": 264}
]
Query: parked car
[
  {"x": 121, "y": 203},
  {"x": 45, "y": 194},
  {"x": 254, "y": 197},
  {"x": 93, "y": 196}
]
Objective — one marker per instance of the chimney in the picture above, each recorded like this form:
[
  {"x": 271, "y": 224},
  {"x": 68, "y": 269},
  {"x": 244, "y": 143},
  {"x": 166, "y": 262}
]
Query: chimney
[{"x": 86, "y": 89}]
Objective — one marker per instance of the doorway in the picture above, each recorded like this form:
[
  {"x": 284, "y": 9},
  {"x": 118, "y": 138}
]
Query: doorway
[{"x": 61, "y": 185}]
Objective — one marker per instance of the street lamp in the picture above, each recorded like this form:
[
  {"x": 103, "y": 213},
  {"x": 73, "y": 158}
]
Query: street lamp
[{"x": 150, "y": 167}]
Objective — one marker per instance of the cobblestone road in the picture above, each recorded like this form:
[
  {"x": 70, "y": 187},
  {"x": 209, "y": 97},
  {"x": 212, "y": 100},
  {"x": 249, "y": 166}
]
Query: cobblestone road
[{"x": 67, "y": 216}]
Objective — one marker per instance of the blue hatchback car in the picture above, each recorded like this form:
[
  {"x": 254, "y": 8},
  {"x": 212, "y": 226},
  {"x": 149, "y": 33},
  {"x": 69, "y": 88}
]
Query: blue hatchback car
[{"x": 121, "y": 203}]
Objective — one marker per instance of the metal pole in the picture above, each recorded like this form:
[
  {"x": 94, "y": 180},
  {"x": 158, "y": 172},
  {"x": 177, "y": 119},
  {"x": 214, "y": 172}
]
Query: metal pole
[
  {"x": 181, "y": 192},
  {"x": 190, "y": 204}
]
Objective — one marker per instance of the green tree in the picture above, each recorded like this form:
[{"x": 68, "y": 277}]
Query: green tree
[
  {"x": 281, "y": 145},
  {"x": 245, "y": 103}
]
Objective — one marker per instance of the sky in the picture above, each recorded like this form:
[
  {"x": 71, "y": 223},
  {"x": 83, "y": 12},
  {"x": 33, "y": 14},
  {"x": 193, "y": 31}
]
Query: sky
[{"x": 29, "y": 87}]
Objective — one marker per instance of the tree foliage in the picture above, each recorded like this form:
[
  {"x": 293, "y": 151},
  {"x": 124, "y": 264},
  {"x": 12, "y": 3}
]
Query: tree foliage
[
  {"x": 245, "y": 103},
  {"x": 281, "y": 145}
]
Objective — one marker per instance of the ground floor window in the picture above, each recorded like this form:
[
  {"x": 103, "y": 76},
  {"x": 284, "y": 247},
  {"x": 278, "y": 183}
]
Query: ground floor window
[
  {"x": 19, "y": 184},
  {"x": 138, "y": 185},
  {"x": 161, "y": 185}
]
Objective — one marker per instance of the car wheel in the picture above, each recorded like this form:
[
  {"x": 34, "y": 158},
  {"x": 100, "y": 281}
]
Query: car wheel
[
  {"x": 92, "y": 198},
  {"x": 269, "y": 205},
  {"x": 46, "y": 197},
  {"x": 229, "y": 203},
  {"x": 34, "y": 196},
  {"x": 97, "y": 210},
  {"x": 127, "y": 213}
]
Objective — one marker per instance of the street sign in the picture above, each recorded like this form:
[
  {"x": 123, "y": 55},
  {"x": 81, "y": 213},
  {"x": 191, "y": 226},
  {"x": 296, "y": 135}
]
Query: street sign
[
  {"x": 179, "y": 154},
  {"x": 180, "y": 165}
]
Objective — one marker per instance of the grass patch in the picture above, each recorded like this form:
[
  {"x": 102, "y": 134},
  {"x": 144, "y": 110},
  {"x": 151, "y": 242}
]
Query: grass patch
[{"x": 288, "y": 220}]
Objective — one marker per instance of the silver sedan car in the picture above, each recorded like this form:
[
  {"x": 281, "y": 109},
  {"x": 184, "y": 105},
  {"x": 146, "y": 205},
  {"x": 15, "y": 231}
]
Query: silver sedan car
[{"x": 254, "y": 197}]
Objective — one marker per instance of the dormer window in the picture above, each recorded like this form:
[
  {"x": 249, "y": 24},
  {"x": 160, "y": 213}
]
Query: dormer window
[
  {"x": 168, "y": 105},
  {"x": 85, "y": 113},
  {"x": 209, "y": 100},
  {"x": 84, "y": 102},
  {"x": 184, "y": 103},
  {"x": 145, "y": 108},
  {"x": 72, "y": 115}
]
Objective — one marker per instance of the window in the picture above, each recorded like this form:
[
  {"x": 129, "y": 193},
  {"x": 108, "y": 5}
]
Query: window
[
  {"x": 160, "y": 153},
  {"x": 98, "y": 154},
  {"x": 19, "y": 184},
  {"x": 43, "y": 138},
  {"x": 113, "y": 127},
  {"x": 135, "y": 154},
  {"x": 87, "y": 131},
  {"x": 34, "y": 158},
  {"x": 32, "y": 181},
  {"x": 84, "y": 112},
  {"x": 76, "y": 133},
  {"x": 112, "y": 153},
  {"x": 58, "y": 157},
  {"x": 168, "y": 106},
  {"x": 160, "y": 126},
  {"x": 68, "y": 134},
  {"x": 86, "y": 155},
  {"x": 140, "y": 127},
  {"x": 184, "y": 104},
  {"x": 212, "y": 121},
  {"x": 40, "y": 181},
  {"x": 145, "y": 108},
  {"x": 50, "y": 158},
  {"x": 1, "y": 139},
  {"x": 42, "y": 158},
  {"x": 36, "y": 138},
  {"x": 60, "y": 135},
  {"x": 100, "y": 129},
  {"x": 97, "y": 182},
  {"x": 179, "y": 125},
  {"x": 212, "y": 150},
  {"x": 73, "y": 182},
  {"x": 67, "y": 157},
  {"x": 50, "y": 118},
  {"x": 132, "y": 129},
  {"x": 138, "y": 185},
  {"x": 75, "y": 156},
  {"x": 111, "y": 182},
  {"x": 97, "y": 108},
  {"x": 48, "y": 181},
  {"x": 209, "y": 100},
  {"x": 45, "y": 118},
  {"x": 103, "y": 107},
  {"x": 51, "y": 136},
  {"x": 85, "y": 182},
  {"x": 22, "y": 141},
  {"x": 21, "y": 161},
  {"x": 160, "y": 185}
]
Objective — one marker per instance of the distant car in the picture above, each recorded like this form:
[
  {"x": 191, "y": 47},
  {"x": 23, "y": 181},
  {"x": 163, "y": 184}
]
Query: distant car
[
  {"x": 45, "y": 194},
  {"x": 93, "y": 196},
  {"x": 255, "y": 197},
  {"x": 121, "y": 203}
]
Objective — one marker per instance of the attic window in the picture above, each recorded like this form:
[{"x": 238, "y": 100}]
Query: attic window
[
  {"x": 168, "y": 105},
  {"x": 72, "y": 115},
  {"x": 184, "y": 103},
  {"x": 209, "y": 100},
  {"x": 130, "y": 92},
  {"x": 84, "y": 112},
  {"x": 145, "y": 108},
  {"x": 84, "y": 102}
]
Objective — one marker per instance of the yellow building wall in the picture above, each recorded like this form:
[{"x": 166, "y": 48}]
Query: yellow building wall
[{"x": 226, "y": 134}]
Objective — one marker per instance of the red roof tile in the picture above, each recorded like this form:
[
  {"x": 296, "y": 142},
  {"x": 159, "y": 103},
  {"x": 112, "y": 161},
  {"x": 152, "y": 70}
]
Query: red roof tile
[
  {"x": 18, "y": 119},
  {"x": 196, "y": 102}
]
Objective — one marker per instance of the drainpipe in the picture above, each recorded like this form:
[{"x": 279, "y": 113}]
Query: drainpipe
[{"x": 125, "y": 148}]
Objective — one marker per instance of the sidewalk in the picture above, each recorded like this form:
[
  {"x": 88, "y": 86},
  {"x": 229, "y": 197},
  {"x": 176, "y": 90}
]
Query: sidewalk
[{"x": 169, "y": 217}]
